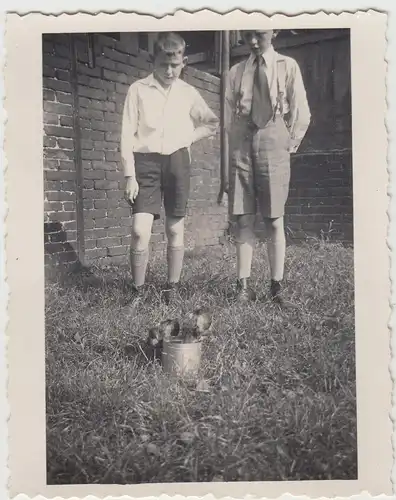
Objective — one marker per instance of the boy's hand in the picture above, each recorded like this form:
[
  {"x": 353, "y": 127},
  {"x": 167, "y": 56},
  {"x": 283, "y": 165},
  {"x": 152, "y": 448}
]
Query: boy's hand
[{"x": 131, "y": 190}]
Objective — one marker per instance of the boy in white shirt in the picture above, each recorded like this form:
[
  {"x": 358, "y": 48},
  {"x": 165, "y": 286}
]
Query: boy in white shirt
[
  {"x": 163, "y": 116},
  {"x": 267, "y": 116}
]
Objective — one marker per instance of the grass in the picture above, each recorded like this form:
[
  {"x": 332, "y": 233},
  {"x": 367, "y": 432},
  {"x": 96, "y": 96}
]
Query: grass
[{"x": 280, "y": 399}]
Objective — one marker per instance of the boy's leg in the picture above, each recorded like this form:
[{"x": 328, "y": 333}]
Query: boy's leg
[
  {"x": 244, "y": 251},
  {"x": 276, "y": 247},
  {"x": 242, "y": 203},
  {"x": 176, "y": 188},
  {"x": 175, "y": 251},
  {"x": 141, "y": 234},
  {"x": 146, "y": 208}
]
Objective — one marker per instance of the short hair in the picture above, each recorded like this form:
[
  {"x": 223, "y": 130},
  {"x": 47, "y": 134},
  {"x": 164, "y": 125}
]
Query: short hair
[{"x": 170, "y": 44}]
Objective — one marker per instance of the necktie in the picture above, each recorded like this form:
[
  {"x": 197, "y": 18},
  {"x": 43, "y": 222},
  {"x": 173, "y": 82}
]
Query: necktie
[{"x": 262, "y": 110}]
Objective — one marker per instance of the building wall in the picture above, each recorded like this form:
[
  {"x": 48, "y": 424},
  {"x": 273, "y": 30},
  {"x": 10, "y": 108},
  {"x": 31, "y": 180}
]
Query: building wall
[{"x": 102, "y": 90}]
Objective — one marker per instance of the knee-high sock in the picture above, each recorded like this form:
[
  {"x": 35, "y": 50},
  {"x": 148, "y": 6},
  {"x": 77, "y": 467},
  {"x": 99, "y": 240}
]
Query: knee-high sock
[
  {"x": 276, "y": 247},
  {"x": 139, "y": 261},
  {"x": 175, "y": 256}
]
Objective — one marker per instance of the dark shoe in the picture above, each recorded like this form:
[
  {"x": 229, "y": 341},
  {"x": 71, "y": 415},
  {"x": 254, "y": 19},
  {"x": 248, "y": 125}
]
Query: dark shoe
[
  {"x": 244, "y": 292},
  {"x": 278, "y": 297},
  {"x": 135, "y": 294},
  {"x": 171, "y": 292}
]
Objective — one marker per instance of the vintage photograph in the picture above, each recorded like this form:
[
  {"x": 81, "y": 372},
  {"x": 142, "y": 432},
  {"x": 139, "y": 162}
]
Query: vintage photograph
[{"x": 199, "y": 256}]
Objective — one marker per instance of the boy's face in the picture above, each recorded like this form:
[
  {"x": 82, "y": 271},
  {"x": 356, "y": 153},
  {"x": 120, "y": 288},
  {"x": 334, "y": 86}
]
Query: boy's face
[
  {"x": 167, "y": 68},
  {"x": 258, "y": 41}
]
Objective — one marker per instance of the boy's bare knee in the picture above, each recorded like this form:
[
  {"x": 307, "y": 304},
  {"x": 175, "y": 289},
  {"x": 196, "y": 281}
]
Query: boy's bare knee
[
  {"x": 244, "y": 229},
  {"x": 175, "y": 230},
  {"x": 141, "y": 230}
]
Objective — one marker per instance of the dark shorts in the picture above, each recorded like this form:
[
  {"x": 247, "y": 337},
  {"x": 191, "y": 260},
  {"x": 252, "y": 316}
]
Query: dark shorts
[{"x": 162, "y": 176}]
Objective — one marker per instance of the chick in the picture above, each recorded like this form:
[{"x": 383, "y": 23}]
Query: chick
[
  {"x": 169, "y": 328},
  {"x": 202, "y": 320},
  {"x": 154, "y": 337}
]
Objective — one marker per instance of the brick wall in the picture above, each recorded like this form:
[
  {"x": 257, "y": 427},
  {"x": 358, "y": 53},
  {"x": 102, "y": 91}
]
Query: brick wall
[{"x": 102, "y": 90}]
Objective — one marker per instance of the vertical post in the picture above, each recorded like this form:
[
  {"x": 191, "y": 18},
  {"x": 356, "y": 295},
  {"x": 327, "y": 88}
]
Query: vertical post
[
  {"x": 224, "y": 154},
  {"x": 77, "y": 150}
]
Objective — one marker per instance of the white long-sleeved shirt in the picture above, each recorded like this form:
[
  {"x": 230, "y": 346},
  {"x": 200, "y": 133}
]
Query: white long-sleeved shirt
[
  {"x": 158, "y": 120},
  {"x": 295, "y": 103}
]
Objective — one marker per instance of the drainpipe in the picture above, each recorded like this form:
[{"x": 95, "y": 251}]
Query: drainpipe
[{"x": 224, "y": 153}]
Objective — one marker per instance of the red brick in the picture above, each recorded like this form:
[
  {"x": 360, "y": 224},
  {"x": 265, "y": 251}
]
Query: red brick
[
  {"x": 114, "y": 176},
  {"x": 62, "y": 74},
  {"x": 104, "y": 62},
  {"x": 86, "y": 70},
  {"x": 52, "y": 84},
  {"x": 64, "y": 98},
  {"x": 118, "y": 231},
  {"x": 92, "y": 93},
  {"x": 93, "y": 135},
  {"x": 68, "y": 206},
  {"x": 49, "y": 142},
  {"x": 70, "y": 225},
  {"x": 88, "y": 205},
  {"x": 96, "y": 253},
  {"x": 88, "y": 184},
  {"x": 96, "y": 104},
  {"x": 58, "y": 131},
  {"x": 49, "y": 71},
  {"x": 121, "y": 88},
  {"x": 106, "y": 145},
  {"x": 56, "y": 62},
  {"x": 105, "y": 223},
  {"x": 119, "y": 212},
  {"x": 67, "y": 165},
  {"x": 93, "y": 234},
  {"x": 91, "y": 154},
  {"x": 52, "y": 206},
  {"x": 94, "y": 114},
  {"x": 96, "y": 214},
  {"x": 127, "y": 69},
  {"x": 113, "y": 136},
  {"x": 59, "y": 196},
  {"x": 50, "y": 119},
  {"x": 84, "y": 124},
  {"x": 116, "y": 194},
  {"x": 106, "y": 185},
  {"x": 63, "y": 216},
  {"x": 112, "y": 117},
  {"x": 48, "y": 95},
  {"x": 94, "y": 174},
  {"x": 106, "y": 203},
  {"x": 101, "y": 165},
  {"x": 119, "y": 250},
  {"x": 50, "y": 164},
  {"x": 86, "y": 144},
  {"x": 66, "y": 143},
  {"x": 139, "y": 62},
  {"x": 114, "y": 76},
  {"x": 60, "y": 175},
  {"x": 58, "y": 154},
  {"x": 108, "y": 242},
  {"x": 114, "y": 55},
  {"x": 105, "y": 126},
  {"x": 90, "y": 244},
  {"x": 95, "y": 194},
  {"x": 113, "y": 156}
]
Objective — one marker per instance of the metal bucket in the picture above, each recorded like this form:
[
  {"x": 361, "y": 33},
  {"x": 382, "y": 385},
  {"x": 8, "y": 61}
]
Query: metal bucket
[{"x": 181, "y": 359}]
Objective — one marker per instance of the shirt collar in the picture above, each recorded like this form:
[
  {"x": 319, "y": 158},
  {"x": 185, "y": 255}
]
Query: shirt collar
[
  {"x": 151, "y": 81},
  {"x": 268, "y": 56}
]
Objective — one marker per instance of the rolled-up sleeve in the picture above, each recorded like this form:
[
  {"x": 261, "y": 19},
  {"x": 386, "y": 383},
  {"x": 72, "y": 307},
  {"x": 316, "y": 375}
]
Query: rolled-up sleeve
[
  {"x": 205, "y": 120},
  {"x": 128, "y": 131}
]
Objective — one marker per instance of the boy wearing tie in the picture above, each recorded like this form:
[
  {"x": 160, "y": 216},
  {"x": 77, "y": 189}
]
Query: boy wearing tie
[
  {"x": 267, "y": 116},
  {"x": 163, "y": 116}
]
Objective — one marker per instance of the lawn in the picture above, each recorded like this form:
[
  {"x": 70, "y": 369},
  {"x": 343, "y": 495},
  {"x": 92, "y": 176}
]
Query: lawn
[{"x": 276, "y": 398}]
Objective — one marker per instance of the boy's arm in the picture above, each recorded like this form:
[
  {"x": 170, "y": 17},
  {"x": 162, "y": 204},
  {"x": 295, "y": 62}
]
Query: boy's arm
[
  {"x": 230, "y": 101},
  {"x": 206, "y": 122},
  {"x": 300, "y": 115},
  {"x": 128, "y": 131}
]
